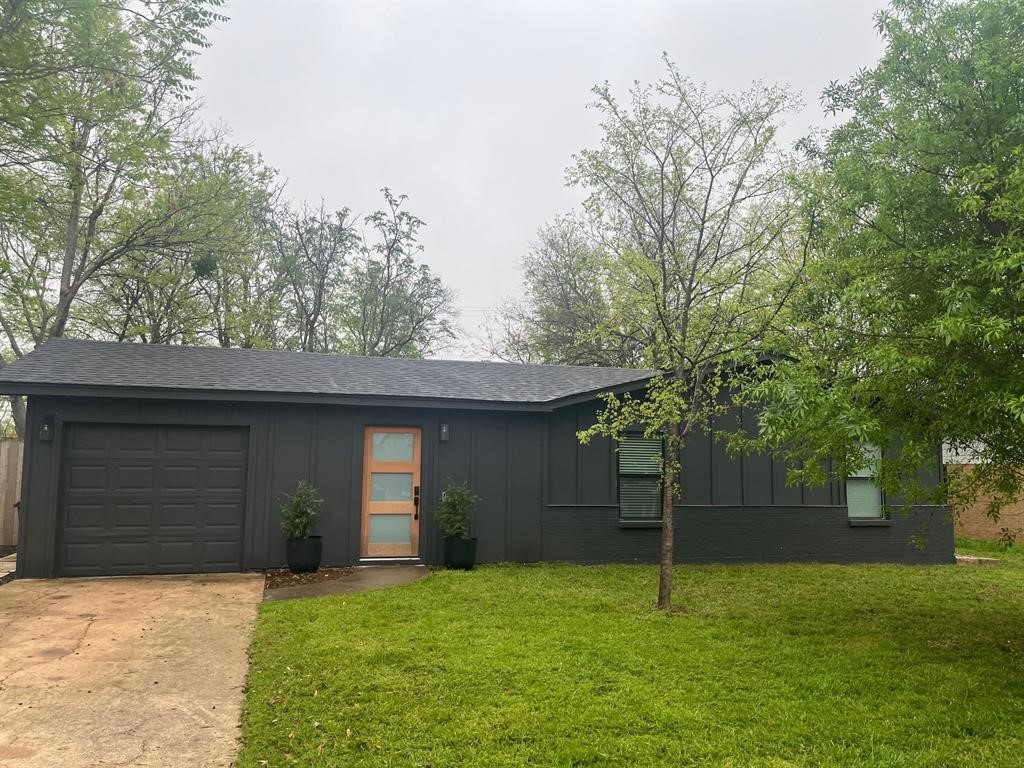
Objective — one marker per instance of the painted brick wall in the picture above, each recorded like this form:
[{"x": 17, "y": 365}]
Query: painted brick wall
[{"x": 751, "y": 535}]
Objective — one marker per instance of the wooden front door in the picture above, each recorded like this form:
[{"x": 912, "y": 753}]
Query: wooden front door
[{"x": 391, "y": 492}]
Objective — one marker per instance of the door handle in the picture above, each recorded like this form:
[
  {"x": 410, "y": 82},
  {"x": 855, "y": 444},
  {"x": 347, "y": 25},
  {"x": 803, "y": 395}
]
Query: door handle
[{"x": 416, "y": 502}]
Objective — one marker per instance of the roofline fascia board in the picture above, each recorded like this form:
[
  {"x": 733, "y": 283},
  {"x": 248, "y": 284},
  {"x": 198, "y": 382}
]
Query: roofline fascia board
[
  {"x": 158, "y": 393},
  {"x": 582, "y": 397},
  {"x": 155, "y": 393},
  {"x": 632, "y": 386}
]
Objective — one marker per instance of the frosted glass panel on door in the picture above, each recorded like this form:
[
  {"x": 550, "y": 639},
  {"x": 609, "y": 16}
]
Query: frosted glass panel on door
[
  {"x": 391, "y": 486},
  {"x": 390, "y": 529},
  {"x": 392, "y": 446}
]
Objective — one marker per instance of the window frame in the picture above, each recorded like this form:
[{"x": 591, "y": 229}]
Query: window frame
[
  {"x": 638, "y": 520},
  {"x": 869, "y": 473}
]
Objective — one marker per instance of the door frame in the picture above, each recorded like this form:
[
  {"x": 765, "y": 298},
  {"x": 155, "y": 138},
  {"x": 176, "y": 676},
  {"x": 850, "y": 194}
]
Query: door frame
[{"x": 364, "y": 486}]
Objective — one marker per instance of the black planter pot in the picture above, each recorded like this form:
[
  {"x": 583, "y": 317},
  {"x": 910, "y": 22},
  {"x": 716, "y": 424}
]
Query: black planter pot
[
  {"x": 459, "y": 553},
  {"x": 304, "y": 554}
]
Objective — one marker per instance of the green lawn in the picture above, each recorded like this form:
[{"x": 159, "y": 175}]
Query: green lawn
[{"x": 569, "y": 666}]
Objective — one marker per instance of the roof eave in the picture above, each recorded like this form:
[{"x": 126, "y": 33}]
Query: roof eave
[
  {"x": 582, "y": 397},
  {"x": 166, "y": 393}
]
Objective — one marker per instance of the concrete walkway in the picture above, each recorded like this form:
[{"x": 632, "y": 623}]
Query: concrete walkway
[
  {"x": 136, "y": 671},
  {"x": 362, "y": 579}
]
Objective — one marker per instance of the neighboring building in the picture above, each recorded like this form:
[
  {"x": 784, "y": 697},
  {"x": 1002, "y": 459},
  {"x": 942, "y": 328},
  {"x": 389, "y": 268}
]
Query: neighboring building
[
  {"x": 972, "y": 521},
  {"x": 158, "y": 459}
]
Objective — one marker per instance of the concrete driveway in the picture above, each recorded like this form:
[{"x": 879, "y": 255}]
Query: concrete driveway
[{"x": 134, "y": 671}]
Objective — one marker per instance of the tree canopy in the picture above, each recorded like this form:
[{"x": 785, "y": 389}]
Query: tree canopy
[
  {"x": 566, "y": 316},
  {"x": 123, "y": 217},
  {"x": 883, "y": 272},
  {"x": 908, "y": 331}
]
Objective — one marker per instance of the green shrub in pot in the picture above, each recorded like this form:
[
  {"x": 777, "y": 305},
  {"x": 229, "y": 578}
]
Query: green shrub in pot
[
  {"x": 299, "y": 513},
  {"x": 453, "y": 518}
]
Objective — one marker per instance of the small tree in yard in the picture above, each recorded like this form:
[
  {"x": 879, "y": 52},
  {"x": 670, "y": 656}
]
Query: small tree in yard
[{"x": 689, "y": 194}]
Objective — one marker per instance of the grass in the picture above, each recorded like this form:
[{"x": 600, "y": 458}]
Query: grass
[
  {"x": 1007, "y": 552},
  {"x": 558, "y": 665}
]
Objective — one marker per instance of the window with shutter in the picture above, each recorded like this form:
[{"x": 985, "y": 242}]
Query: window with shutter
[
  {"x": 639, "y": 478},
  {"x": 863, "y": 495}
]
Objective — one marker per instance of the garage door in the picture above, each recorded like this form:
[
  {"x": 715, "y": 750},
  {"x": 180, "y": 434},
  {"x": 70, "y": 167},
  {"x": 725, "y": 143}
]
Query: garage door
[{"x": 151, "y": 499}]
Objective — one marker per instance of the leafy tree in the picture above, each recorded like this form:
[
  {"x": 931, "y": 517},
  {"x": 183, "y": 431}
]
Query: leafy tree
[
  {"x": 313, "y": 247},
  {"x": 390, "y": 305},
  {"x": 66, "y": 65},
  {"x": 910, "y": 322},
  {"x": 94, "y": 95},
  {"x": 689, "y": 197},
  {"x": 121, "y": 218},
  {"x": 244, "y": 290},
  {"x": 201, "y": 294},
  {"x": 353, "y": 293},
  {"x": 566, "y": 317},
  {"x": 154, "y": 301}
]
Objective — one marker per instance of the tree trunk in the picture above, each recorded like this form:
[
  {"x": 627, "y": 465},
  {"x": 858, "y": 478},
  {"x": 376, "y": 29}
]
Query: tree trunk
[
  {"x": 77, "y": 183},
  {"x": 670, "y": 463},
  {"x": 17, "y": 402},
  {"x": 18, "y": 414}
]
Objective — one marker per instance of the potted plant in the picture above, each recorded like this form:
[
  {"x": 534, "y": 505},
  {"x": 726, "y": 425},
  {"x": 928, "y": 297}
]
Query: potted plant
[
  {"x": 457, "y": 505},
  {"x": 299, "y": 512}
]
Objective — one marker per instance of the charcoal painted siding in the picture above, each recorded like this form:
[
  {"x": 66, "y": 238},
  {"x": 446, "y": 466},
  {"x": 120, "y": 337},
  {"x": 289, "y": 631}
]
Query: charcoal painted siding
[
  {"x": 750, "y": 535},
  {"x": 586, "y": 475},
  {"x": 731, "y": 510},
  {"x": 544, "y": 496},
  {"x": 500, "y": 454}
]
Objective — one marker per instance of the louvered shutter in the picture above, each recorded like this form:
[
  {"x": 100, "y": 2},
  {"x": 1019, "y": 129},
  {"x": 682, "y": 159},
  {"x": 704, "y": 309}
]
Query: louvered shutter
[
  {"x": 639, "y": 456},
  {"x": 639, "y": 478}
]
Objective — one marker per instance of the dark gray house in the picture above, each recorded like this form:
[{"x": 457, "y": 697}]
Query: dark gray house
[{"x": 157, "y": 459}]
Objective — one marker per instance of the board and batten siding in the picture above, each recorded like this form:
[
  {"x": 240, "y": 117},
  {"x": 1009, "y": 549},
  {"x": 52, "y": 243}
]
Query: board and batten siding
[
  {"x": 544, "y": 497},
  {"x": 500, "y": 454},
  {"x": 587, "y": 475},
  {"x": 732, "y": 509}
]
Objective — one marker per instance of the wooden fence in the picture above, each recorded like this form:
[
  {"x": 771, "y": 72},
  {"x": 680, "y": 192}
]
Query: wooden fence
[{"x": 10, "y": 490}]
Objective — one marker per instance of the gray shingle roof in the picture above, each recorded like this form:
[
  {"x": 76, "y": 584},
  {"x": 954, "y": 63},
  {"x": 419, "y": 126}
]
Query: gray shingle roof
[{"x": 110, "y": 365}]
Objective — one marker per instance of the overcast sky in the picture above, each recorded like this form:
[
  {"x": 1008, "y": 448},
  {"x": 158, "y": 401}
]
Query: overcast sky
[{"x": 474, "y": 109}]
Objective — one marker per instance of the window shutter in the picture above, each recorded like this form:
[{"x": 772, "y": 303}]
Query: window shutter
[
  {"x": 639, "y": 455},
  {"x": 639, "y": 478},
  {"x": 639, "y": 498}
]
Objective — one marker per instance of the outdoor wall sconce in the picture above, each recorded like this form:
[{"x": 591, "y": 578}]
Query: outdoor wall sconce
[
  {"x": 443, "y": 432},
  {"x": 46, "y": 430}
]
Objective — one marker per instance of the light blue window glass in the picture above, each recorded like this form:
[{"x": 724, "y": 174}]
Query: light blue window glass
[
  {"x": 390, "y": 529},
  {"x": 391, "y": 486},
  {"x": 393, "y": 446},
  {"x": 863, "y": 495}
]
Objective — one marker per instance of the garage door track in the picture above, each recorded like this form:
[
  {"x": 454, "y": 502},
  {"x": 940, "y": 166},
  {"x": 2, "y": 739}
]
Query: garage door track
[{"x": 136, "y": 671}]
